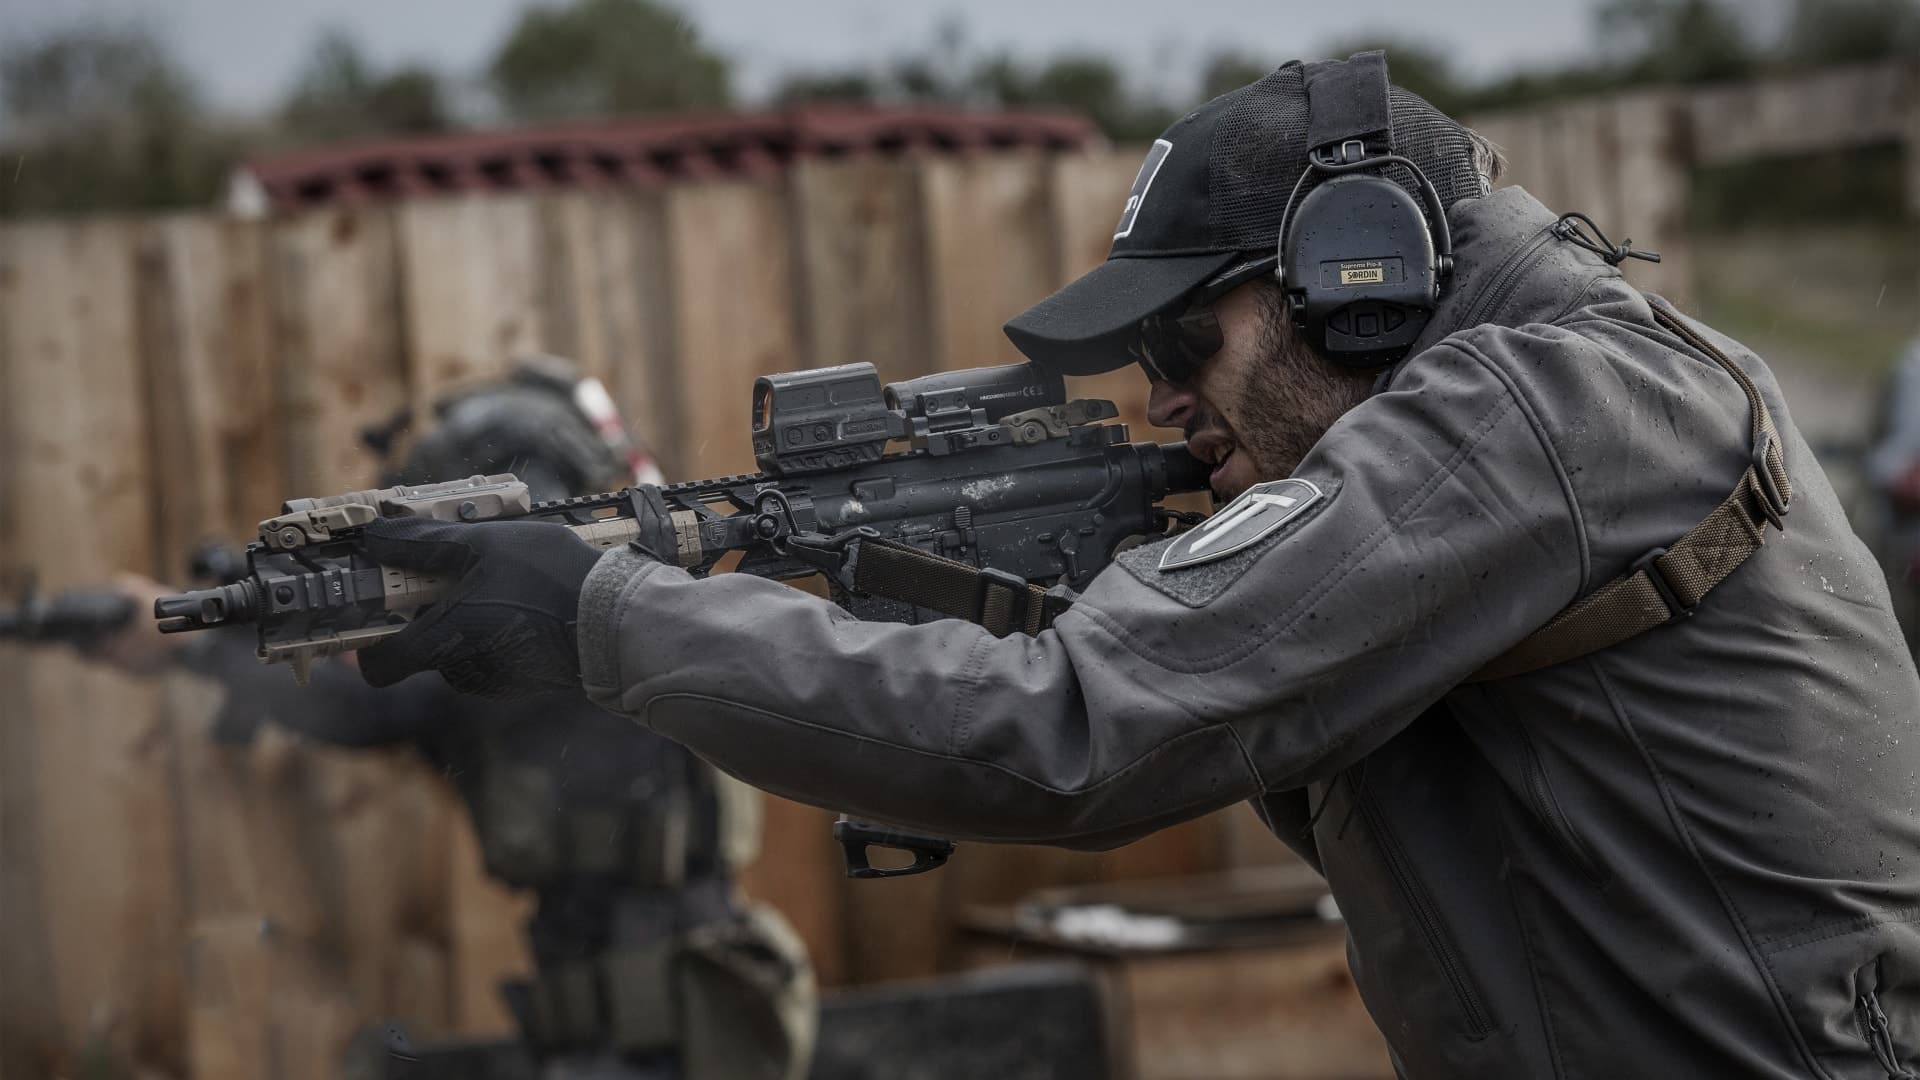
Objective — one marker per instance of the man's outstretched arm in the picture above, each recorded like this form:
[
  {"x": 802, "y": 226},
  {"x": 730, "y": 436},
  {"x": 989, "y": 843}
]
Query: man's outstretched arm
[{"x": 1440, "y": 538}]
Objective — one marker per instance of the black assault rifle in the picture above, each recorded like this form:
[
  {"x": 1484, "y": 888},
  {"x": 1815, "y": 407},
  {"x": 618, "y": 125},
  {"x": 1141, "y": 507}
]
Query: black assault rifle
[{"x": 1003, "y": 487}]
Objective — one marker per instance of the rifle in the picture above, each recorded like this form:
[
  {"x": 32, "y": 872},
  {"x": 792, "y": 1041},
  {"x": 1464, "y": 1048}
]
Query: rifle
[
  {"x": 83, "y": 617},
  {"x": 78, "y": 617},
  {"x": 1004, "y": 483}
]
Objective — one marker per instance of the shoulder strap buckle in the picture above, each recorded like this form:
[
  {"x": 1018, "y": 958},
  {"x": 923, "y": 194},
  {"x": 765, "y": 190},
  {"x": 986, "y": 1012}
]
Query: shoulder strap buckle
[
  {"x": 1773, "y": 501},
  {"x": 1000, "y": 600},
  {"x": 1650, "y": 565}
]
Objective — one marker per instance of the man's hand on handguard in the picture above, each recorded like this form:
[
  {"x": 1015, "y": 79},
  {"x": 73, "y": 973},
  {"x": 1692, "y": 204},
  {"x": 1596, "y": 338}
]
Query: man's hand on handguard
[{"x": 506, "y": 626}]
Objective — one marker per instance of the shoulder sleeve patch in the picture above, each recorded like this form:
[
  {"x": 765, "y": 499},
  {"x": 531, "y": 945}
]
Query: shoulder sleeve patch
[
  {"x": 1258, "y": 513},
  {"x": 1194, "y": 574}
]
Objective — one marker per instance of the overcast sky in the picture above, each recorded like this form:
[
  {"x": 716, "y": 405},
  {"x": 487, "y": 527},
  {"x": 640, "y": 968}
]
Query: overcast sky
[{"x": 244, "y": 52}]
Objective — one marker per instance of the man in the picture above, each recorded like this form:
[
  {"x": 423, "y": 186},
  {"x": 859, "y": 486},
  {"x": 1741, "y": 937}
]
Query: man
[
  {"x": 1691, "y": 852},
  {"x": 646, "y": 966}
]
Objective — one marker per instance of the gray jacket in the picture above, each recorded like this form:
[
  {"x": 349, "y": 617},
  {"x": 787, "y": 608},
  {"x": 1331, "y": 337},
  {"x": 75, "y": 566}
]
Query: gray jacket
[{"x": 1694, "y": 854}]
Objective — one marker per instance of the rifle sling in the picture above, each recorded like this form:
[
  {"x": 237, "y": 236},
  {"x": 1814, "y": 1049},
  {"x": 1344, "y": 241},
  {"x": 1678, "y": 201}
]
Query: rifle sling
[
  {"x": 999, "y": 601},
  {"x": 1666, "y": 584}
]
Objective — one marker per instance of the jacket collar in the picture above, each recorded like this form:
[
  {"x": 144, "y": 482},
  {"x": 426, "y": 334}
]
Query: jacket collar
[{"x": 1509, "y": 267}]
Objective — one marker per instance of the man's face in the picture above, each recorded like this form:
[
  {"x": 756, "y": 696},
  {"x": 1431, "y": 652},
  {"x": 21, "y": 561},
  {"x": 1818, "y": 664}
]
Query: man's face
[{"x": 1259, "y": 404}]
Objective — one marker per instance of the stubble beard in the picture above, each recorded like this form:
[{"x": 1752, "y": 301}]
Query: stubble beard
[{"x": 1292, "y": 396}]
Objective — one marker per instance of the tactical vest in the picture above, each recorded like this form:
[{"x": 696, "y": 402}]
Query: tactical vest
[
  {"x": 530, "y": 837},
  {"x": 730, "y": 1000}
]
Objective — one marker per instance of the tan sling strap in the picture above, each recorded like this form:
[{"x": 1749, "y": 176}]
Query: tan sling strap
[
  {"x": 1666, "y": 584},
  {"x": 1003, "y": 603}
]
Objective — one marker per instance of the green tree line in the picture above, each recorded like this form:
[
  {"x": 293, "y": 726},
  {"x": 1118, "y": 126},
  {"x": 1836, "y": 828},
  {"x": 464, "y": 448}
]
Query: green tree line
[{"x": 104, "y": 116}]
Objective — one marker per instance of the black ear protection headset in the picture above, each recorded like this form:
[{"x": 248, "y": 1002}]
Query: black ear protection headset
[{"x": 1360, "y": 264}]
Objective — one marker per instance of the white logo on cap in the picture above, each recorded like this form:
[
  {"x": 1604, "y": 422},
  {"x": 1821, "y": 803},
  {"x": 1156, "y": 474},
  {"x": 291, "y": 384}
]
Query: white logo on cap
[{"x": 1142, "y": 180}]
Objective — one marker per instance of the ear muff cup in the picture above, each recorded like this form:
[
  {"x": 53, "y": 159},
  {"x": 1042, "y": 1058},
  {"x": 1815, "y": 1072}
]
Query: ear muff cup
[
  {"x": 1361, "y": 272},
  {"x": 1360, "y": 261}
]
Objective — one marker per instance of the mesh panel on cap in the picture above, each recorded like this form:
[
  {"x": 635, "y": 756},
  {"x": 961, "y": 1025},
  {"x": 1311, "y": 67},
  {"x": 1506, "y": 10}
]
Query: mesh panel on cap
[{"x": 1260, "y": 148}]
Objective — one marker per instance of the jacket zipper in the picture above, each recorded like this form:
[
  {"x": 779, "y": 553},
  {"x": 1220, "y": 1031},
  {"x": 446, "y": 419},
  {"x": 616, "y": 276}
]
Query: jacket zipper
[
  {"x": 1508, "y": 278},
  {"x": 1545, "y": 805},
  {"x": 1873, "y": 1024},
  {"x": 1427, "y": 918}
]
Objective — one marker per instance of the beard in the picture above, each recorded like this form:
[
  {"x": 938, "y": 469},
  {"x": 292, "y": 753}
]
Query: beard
[{"x": 1285, "y": 402}]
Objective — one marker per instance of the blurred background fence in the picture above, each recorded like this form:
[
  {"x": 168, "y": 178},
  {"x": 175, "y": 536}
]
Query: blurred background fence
[
  {"x": 169, "y": 379},
  {"x": 172, "y": 907}
]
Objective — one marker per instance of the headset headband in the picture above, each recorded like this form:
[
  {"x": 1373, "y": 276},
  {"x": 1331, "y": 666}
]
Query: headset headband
[{"x": 1347, "y": 102}]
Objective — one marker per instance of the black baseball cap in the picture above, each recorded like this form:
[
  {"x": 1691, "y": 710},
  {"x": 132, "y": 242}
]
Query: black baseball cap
[{"x": 1208, "y": 201}]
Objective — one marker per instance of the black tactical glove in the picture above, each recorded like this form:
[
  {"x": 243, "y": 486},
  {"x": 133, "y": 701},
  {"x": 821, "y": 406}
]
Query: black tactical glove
[{"x": 506, "y": 627}]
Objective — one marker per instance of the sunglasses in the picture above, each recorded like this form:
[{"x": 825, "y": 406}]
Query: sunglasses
[{"x": 1173, "y": 348}]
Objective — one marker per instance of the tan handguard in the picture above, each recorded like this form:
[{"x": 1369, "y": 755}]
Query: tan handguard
[
  {"x": 304, "y": 523},
  {"x": 404, "y": 593}
]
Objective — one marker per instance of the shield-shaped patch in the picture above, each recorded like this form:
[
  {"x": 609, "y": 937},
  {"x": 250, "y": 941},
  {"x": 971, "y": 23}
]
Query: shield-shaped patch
[{"x": 1254, "y": 516}]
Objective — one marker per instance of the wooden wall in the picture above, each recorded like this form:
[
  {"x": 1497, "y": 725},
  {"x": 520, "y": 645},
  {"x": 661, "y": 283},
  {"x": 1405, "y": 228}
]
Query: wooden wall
[
  {"x": 1628, "y": 159},
  {"x": 171, "y": 907}
]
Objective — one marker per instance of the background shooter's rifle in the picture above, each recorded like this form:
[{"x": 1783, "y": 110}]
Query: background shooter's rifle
[
  {"x": 79, "y": 617},
  {"x": 1006, "y": 487},
  {"x": 83, "y": 617}
]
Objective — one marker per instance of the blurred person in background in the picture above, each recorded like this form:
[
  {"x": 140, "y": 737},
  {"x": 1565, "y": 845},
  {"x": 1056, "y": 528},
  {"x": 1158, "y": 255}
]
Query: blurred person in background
[
  {"x": 646, "y": 964},
  {"x": 1604, "y": 786}
]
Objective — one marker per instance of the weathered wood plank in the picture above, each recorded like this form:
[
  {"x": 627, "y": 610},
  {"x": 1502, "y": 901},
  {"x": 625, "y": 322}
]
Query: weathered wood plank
[
  {"x": 1257, "y": 1014},
  {"x": 312, "y": 1019},
  {"x": 239, "y": 339},
  {"x": 991, "y": 252},
  {"x": 1831, "y": 109},
  {"x": 728, "y": 247},
  {"x": 29, "y": 1021},
  {"x": 1521, "y": 140},
  {"x": 1651, "y": 176},
  {"x": 862, "y": 265},
  {"x": 486, "y": 946},
  {"x": 265, "y": 1006},
  {"x": 270, "y": 868},
  {"x": 390, "y": 820},
  {"x": 471, "y": 273},
  {"x": 229, "y": 1022},
  {"x": 96, "y": 785},
  {"x": 637, "y": 283},
  {"x": 204, "y": 328},
  {"x": 571, "y": 309},
  {"x": 1277, "y": 1009},
  {"x": 337, "y": 321},
  {"x": 607, "y": 304}
]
